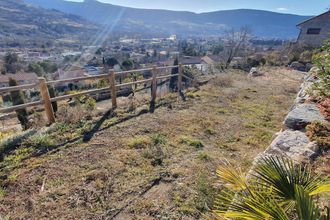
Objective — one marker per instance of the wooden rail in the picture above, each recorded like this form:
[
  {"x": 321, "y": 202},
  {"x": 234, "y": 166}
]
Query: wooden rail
[{"x": 47, "y": 100}]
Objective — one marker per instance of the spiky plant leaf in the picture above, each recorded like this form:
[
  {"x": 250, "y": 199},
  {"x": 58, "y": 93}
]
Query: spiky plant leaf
[
  {"x": 234, "y": 178},
  {"x": 305, "y": 206},
  {"x": 256, "y": 205},
  {"x": 321, "y": 189},
  {"x": 282, "y": 174}
]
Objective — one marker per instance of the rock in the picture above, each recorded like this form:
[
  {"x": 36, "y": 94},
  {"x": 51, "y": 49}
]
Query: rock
[
  {"x": 294, "y": 144},
  {"x": 302, "y": 115},
  {"x": 303, "y": 95},
  {"x": 298, "y": 66},
  {"x": 314, "y": 70},
  {"x": 308, "y": 67},
  {"x": 254, "y": 72}
]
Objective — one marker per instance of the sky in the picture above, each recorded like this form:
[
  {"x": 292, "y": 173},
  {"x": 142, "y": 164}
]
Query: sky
[{"x": 301, "y": 7}]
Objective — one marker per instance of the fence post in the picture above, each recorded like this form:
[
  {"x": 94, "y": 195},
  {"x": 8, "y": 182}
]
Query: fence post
[
  {"x": 46, "y": 98},
  {"x": 113, "y": 89},
  {"x": 153, "y": 89},
  {"x": 180, "y": 79}
]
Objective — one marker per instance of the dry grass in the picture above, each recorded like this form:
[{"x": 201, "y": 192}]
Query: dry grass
[{"x": 154, "y": 166}]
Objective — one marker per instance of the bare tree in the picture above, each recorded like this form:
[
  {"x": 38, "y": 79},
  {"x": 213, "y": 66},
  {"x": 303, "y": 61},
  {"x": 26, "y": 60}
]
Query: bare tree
[{"x": 234, "y": 42}]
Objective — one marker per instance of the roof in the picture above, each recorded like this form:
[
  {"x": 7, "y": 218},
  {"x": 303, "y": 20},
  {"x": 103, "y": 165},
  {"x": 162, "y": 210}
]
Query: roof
[
  {"x": 69, "y": 74},
  {"x": 191, "y": 60},
  {"x": 211, "y": 59},
  {"x": 313, "y": 18},
  {"x": 21, "y": 77}
]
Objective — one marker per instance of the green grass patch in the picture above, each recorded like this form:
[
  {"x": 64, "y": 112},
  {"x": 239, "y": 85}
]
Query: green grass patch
[
  {"x": 41, "y": 142},
  {"x": 192, "y": 142},
  {"x": 140, "y": 142},
  {"x": 204, "y": 156}
]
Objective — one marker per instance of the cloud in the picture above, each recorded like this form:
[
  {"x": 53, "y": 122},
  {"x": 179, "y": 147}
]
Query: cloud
[{"x": 282, "y": 9}]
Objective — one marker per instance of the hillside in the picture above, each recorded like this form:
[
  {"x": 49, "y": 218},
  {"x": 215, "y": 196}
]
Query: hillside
[
  {"x": 28, "y": 25},
  {"x": 263, "y": 23},
  {"x": 131, "y": 164}
]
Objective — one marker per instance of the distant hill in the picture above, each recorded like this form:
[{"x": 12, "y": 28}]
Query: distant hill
[
  {"x": 21, "y": 24},
  {"x": 263, "y": 23}
]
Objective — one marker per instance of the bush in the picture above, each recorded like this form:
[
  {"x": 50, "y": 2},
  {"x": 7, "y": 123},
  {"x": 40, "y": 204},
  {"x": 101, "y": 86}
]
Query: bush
[
  {"x": 223, "y": 81},
  {"x": 322, "y": 61},
  {"x": 18, "y": 99},
  {"x": 319, "y": 132}
]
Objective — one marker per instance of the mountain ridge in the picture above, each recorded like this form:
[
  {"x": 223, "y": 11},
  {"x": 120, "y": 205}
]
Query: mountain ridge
[
  {"x": 28, "y": 25},
  {"x": 263, "y": 23}
]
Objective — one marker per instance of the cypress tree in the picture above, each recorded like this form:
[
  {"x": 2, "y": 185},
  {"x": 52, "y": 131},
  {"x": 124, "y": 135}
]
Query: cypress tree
[
  {"x": 52, "y": 95},
  {"x": 174, "y": 79},
  {"x": 18, "y": 99}
]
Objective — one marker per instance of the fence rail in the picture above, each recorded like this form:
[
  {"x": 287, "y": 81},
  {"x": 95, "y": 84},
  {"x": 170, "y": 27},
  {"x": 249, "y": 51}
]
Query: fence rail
[{"x": 47, "y": 100}]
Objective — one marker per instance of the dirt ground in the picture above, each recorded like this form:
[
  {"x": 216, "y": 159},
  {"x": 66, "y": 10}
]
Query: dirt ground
[{"x": 151, "y": 166}]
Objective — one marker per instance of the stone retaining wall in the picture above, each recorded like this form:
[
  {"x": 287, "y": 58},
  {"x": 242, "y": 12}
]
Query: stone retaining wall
[{"x": 293, "y": 141}]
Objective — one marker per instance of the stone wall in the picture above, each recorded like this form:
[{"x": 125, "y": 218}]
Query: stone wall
[{"x": 293, "y": 141}]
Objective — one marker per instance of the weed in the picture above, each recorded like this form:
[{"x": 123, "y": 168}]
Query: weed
[{"x": 192, "y": 142}]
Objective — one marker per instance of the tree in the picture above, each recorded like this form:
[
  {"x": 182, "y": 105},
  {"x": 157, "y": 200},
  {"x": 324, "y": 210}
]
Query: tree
[
  {"x": 52, "y": 95},
  {"x": 235, "y": 41},
  {"x": 11, "y": 63},
  {"x": 277, "y": 189},
  {"x": 36, "y": 68},
  {"x": 18, "y": 99},
  {"x": 111, "y": 61},
  {"x": 127, "y": 65},
  {"x": 48, "y": 66},
  {"x": 174, "y": 79}
]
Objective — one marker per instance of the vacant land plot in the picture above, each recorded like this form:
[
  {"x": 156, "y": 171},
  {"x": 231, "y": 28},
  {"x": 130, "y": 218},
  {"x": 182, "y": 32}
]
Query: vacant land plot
[{"x": 152, "y": 166}]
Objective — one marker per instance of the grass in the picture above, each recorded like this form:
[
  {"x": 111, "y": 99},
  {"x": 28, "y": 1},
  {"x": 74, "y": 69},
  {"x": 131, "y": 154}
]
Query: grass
[
  {"x": 40, "y": 142},
  {"x": 204, "y": 156},
  {"x": 140, "y": 142},
  {"x": 192, "y": 142},
  {"x": 157, "y": 166}
]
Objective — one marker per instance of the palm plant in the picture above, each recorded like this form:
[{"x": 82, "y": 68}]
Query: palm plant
[{"x": 276, "y": 189}]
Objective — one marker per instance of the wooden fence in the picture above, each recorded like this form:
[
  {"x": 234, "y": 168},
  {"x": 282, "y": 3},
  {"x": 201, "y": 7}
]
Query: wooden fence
[{"x": 46, "y": 100}]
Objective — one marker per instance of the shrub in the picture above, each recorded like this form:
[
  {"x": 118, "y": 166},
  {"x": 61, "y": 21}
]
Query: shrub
[
  {"x": 223, "y": 80},
  {"x": 322, "y": 61},
  {"x": 319, "y": 132},
  {"x": 18, "y": 99}
]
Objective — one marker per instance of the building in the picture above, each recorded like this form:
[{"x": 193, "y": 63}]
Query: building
[
  {"x": 21, "y": 78},
  {"x": 315, "y": 31}
]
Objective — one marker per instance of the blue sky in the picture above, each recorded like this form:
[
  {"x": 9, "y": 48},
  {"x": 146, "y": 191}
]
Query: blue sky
[{"x": 302, "y": 7}]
